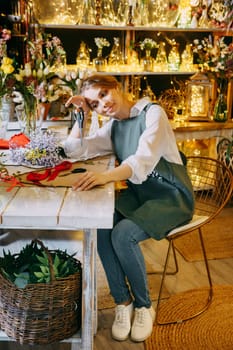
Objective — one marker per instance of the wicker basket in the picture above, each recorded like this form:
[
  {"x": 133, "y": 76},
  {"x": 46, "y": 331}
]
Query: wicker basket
[{"x": 41, "y": 313}]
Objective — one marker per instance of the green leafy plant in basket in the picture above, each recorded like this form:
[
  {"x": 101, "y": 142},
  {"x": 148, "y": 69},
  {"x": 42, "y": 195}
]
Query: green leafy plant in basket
[{"x": 36, "y": 264}]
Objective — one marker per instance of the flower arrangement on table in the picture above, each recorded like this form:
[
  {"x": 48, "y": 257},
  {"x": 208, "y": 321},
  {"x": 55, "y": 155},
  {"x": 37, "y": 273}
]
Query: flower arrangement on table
[
  {"x": 216, "y": 60},
  {"x": 28, "y": 90},
  {"x": 42, "y": 150},
  {"x": 36, "y": 80}
]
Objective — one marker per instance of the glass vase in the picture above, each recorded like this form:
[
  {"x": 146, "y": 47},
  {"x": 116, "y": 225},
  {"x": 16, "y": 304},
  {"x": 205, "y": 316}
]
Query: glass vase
[
  {"x": 148, "y": 62},
  {"x": 100, "y": 61},
  {"x": 161, "y": 58},
  {"x": 174, "y": 58},
  {"x": 115, "y": 60},
  {"x": 31, "y": 112},
  {"x": 220, "y": 107},
  {"x": 83, "y": 56},
  {"x": 4, "y": 118}
]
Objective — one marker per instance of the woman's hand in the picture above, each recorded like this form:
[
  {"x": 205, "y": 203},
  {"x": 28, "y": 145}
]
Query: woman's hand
[
  {"x": 88, "y": 180},
  {"x": 79, "y": 102}
]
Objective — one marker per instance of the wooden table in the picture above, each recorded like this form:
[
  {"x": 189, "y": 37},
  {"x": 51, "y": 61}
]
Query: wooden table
[{"x": 59, "y": 209}]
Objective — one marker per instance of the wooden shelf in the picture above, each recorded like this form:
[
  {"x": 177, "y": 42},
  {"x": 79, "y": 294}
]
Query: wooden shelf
[
  {"x": 202, "y": 130},
  {"x": 135, "y": 28},
  {"x": 201, "y": 126}
]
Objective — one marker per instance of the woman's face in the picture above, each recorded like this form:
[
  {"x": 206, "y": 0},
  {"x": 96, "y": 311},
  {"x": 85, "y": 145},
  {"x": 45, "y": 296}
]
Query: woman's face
[{"x": 105, "y": 101}]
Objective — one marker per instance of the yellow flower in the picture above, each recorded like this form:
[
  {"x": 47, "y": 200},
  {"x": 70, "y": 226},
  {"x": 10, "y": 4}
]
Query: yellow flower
[
  {"x": 7, "y": 65},
  {"x": 7, "y": 61},
  {"x": 7, "y": 68},
  {"x": 18, "y": 77}
]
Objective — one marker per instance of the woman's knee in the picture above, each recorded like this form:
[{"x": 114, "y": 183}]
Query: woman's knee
[{"x": 126, "y": 232}]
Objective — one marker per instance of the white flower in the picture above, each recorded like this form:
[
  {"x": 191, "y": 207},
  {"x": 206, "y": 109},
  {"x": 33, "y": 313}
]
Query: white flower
[
  {"x": 27, "y": 70},
  {"x": 148, "y": 44},
  {"x": 101, "y": 42},
  {"x": 51, "y": 87},
  {"x": 73, "y": 75},
  {"x": 17, "y": 97}
]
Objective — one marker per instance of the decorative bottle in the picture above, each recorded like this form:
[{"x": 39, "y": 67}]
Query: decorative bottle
[
  {"x": 220, "y": 107},
  {"x": 83, "y": 56},
  {"x": 174, "y": 58},
  {"x": 161, "y": 58},
  {"x": 116, "y": 57}
]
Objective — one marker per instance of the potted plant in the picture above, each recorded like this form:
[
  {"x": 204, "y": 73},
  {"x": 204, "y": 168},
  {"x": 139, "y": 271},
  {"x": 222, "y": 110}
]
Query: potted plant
[
  {"x": 32, "y": 265},
  {"x": 40, "y": 290}
]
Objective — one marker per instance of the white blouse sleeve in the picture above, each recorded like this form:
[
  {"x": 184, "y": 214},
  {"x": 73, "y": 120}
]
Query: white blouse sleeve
[
  {"x": 158, "y": 140},
  {"x": 92, "y": 146}
]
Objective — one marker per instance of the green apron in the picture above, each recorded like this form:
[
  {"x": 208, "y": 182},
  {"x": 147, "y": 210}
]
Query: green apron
[{"x": 162, "y": 202}]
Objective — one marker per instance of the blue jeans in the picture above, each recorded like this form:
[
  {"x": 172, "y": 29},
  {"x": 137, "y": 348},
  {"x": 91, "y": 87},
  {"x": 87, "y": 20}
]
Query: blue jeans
[{"x": 123, "y": 261}]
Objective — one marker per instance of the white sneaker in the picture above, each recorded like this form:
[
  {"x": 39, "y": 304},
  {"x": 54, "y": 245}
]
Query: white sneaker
[
  {"x": 143, "y": 323},
  {"x": 122, "y": 323}
]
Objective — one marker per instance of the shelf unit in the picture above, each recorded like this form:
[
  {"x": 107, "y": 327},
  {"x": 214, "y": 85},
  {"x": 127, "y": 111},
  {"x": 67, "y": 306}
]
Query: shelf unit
[{"x": 72, "y": 35}]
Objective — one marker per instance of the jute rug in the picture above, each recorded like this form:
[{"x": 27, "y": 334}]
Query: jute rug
[
  {"x": 218, "y": 238},
  {"x": 212, "y": 330}
]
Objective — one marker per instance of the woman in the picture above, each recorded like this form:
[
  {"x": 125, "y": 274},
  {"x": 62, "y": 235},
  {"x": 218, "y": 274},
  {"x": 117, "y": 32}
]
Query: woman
[{"x": 159, "y": 196}]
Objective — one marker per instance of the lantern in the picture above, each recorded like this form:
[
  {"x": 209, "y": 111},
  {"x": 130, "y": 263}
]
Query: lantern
[{"x": 199, "y": 97}]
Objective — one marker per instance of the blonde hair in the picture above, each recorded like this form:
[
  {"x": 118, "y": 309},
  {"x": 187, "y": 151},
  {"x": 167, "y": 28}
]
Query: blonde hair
[{"x": 100, "y": 81}]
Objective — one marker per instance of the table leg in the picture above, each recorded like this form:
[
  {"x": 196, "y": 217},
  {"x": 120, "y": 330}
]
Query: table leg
[{"x": 89, "y": 305}]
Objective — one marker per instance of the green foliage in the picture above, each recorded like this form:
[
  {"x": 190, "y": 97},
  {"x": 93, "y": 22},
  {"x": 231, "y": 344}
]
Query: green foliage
[{"x": 31, "y": 265}]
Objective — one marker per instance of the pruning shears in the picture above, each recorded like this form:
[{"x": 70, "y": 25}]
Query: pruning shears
[{"x": 79, "y": 117}]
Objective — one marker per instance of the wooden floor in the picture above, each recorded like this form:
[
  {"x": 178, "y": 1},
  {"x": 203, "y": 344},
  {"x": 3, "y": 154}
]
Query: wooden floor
[{"x": 191, "y": 275}]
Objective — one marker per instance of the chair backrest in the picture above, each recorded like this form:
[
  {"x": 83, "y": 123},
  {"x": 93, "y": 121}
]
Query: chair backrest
[{"x": 212, "y": 183}]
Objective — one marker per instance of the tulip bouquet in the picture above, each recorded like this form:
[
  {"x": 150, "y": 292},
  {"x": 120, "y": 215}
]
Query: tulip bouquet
[{"x": 7, "y": 78}]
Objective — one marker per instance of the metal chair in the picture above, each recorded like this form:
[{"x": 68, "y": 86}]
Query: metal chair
[{"x": 213, "y": 184}]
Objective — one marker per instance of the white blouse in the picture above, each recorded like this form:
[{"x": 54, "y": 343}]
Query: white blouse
[{"x": 157, "y": 140}]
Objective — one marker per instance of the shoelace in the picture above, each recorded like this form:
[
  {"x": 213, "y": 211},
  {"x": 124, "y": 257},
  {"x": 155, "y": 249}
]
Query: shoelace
[
  {"x": 140, "y": 315},
  {"x": 121, "y": 314}
]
